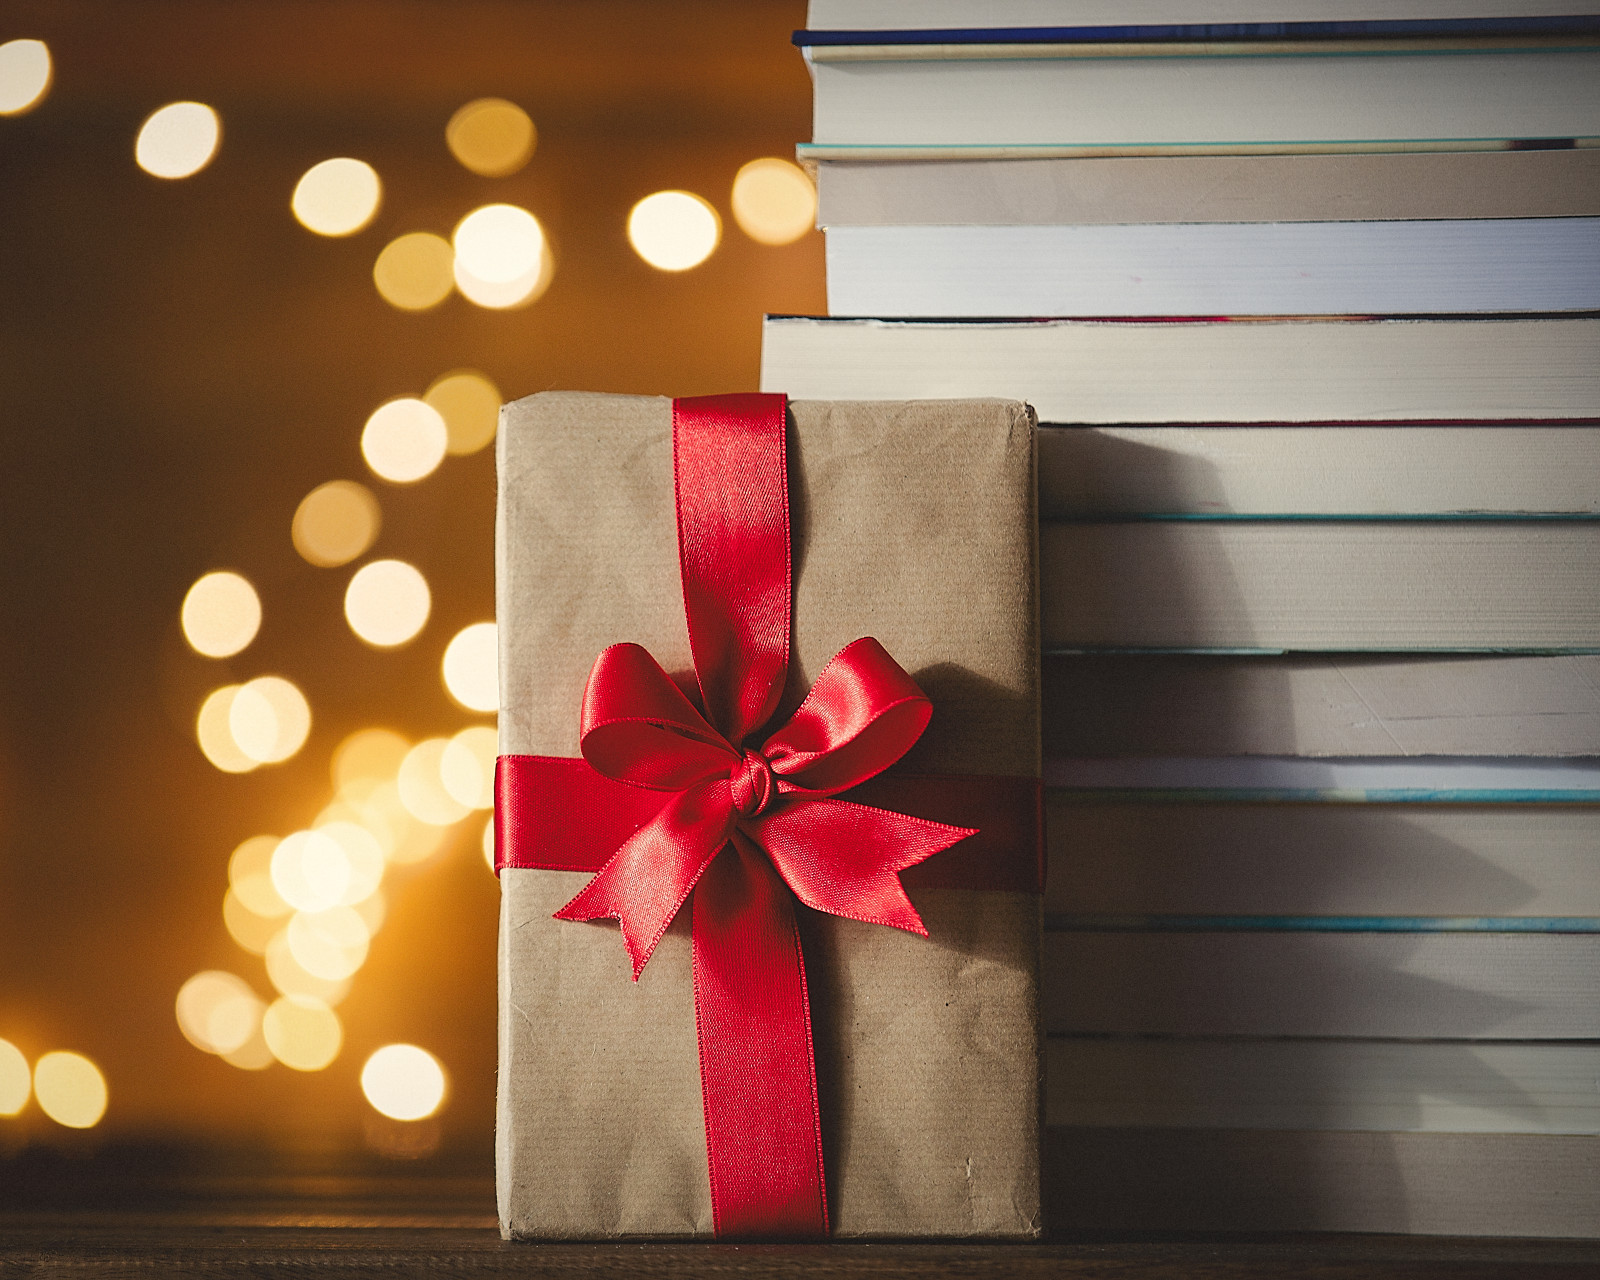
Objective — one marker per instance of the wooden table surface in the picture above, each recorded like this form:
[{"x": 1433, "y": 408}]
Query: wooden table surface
[{"x": 164, "y": 1212}]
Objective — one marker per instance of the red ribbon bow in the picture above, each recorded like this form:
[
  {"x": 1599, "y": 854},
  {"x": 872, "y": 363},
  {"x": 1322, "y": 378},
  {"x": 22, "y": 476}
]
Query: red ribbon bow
[
  {"x": 862, "y": 715},
  {"x": 738, "y": 826}
]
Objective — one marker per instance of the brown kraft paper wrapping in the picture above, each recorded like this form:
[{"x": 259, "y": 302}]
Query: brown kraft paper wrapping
[{"x": 912, "y": 522}]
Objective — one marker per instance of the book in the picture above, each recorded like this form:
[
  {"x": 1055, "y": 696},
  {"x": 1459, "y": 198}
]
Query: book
[
  {"x": 908, "y": 15},
  {"x": 1321, "y": 585},
  {"x": 1132, "y": 856},
  {"x": 1409, "y": 1086},
  {"x": 1198, "y": 370},
  {"x": 1463, "y": 1184},
  {"x": 1456, "y": 779},
  {"x": 1102, "y": 95},
  {"x": 1216, "y": 268},
  {"x": 1317, "y": 704},
  {"x": 1088, "y": 191},
  {"x": 1461, "y": 985},
  {"x": 1219, "y": 470}
]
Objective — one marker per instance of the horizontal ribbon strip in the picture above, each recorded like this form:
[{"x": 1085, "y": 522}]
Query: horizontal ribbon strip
[{"x": 556, "y": 813}]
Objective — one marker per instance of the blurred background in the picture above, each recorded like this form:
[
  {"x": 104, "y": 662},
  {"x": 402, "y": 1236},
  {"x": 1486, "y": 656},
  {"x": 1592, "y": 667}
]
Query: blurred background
[{"x": 266, "y": 271}]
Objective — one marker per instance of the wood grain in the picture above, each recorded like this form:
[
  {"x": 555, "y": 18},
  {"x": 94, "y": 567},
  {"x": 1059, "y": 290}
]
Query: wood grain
[{"x": 97, "y": 1246}]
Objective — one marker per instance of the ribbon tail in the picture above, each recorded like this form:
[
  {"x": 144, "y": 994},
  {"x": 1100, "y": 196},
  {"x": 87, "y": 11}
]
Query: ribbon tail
[
  {"x": 649, "y": 877},
  {"x": 845, "y": 858},
  {"x": 757, "y": 1063}
]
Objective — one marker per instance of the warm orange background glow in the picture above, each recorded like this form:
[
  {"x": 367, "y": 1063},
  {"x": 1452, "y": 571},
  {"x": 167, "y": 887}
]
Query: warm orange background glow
[{"x": 182, "y": 363}]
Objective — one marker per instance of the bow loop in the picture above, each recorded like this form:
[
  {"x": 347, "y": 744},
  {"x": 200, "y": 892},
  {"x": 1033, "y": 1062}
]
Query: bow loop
[
  {"x": 862, "y": 715},
  {"x": 639, "y": 728}
]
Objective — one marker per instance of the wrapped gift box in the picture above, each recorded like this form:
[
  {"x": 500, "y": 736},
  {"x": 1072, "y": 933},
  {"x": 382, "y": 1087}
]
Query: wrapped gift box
[{"x": 913, "y": 523}]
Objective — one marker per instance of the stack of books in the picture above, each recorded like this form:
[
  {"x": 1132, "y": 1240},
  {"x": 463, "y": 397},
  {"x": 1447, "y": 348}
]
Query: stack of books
[{"x": 1320, "y": 484}]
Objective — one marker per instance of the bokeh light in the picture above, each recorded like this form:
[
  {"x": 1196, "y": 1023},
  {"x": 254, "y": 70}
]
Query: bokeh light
[
  {"x": 335, "y": 523},
  {"x": 221, "y": 614},
  {"x": 24, "y": 75},
  {"x": 403, "y": 1082},
  {"x": 491, "y": 136},
  {"x": 387, "y": 603},
  {"x": 328, "y": 944},
  {"x": 498, "y": 242},
  {"x": 269, "y": 719},
  {"x": 310, "y": 870},
  {"x": 506, "y": 295},
  {"x": 377, "y": 806},
  {"x": 363, "y": 857},
  {"x": 218, "y": 1012},
  {"x": 214, "y": 731},
  {"x": 16, "y": 1081},
  {"x": 501, "y": 257},
  {"x": 252, "y": 1055},
  {"x": 470, "y": 406},
  {"x": 673, "y": 230},
  {"x": 250, "y": 876},
  {"x": 404, "y": 440},
  {"x": 466, "y": 768},
  {"x": 286, "y": 974},
  {"x": 471, "y": 667},
  {"x": 773, "y": 201},
  {"x": 337, "y": 197},
  {"x": 70, "y": 1089},
  {"x": 250, "y": 931},
  {"x": 421, "y": 785},
  {"x": 414, "y": 271},
  {"x": 302, "y": 1032},
  {"x": 367, "y": 754},
  {"x": 178, "y": 140}
]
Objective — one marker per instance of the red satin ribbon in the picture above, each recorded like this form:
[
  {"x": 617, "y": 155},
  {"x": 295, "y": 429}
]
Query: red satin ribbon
[{"x": 696, "y": 803}]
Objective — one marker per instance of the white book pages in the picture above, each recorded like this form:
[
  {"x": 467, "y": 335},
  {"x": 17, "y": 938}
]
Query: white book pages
[
  {"x": 1216, "y": 268},
  {"x": 1468, "y": 985},
  {"x": 1119, "y": 372},
  {"x": 1401, "y": 1086},
  {"x": 1130, "y": 857}
]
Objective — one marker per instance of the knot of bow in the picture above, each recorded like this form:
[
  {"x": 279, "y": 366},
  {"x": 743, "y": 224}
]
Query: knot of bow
[{"x": 862, "y": 715}]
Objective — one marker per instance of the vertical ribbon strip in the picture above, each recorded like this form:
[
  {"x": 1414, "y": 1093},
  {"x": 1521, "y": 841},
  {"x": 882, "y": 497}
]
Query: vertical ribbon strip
[{"x": 757, "y": 1065}]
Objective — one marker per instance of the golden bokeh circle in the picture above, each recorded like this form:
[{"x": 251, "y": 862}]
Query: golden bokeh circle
[
  {"x": 415, "y": 271},
  {"x": 491, "y": 137}
]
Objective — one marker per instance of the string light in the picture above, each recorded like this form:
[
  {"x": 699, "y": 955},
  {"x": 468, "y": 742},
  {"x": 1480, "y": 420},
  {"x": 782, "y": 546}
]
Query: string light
[
  {"x": 773, "y": 201},
  {"x": 178, "y": 140},
  {"x": 24, "y": 75},
  {"x": 466, "y": 767},
  {"x": 403, "y": 1082},
  {"x": 491, "y": 136},
  {"x": 366, "y": 755},
  {"x": 404, "y": 440},
  {"x": 71, "y": 1090},
  {"x": 214, "y": 732},
  {"x": 335, "y": 523},
  {"x": 269, "y": 719},
  {"x": 337, "y": 197},
  {"x": 414, "y": 271},
  {"x": 217, "y": 1011},
  {"x": 221, "y": 614},
  {"x": 302, "y": 1032},
  {"x": 673, "y": 230},
  {"x": 471, "y": 667},
  {"x": 387, "y": 603},
  {"x": 16, "y": 1081},
  {"x": 422, "y": 788},
  {"x": 470, "y": 406},
  {"x": 501, "y": 259}
]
